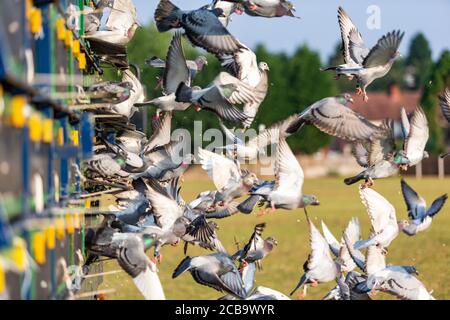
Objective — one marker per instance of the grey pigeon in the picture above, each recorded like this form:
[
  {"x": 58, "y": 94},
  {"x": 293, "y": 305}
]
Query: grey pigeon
[
  {"x": 255, "y": 146},
  {"x": 332, "y": 116},
  {"x": 132, "y": 258},
  {"x": 420, "y": 216},
  {"x": 216, "y": 270},
  {"x": 202, "y": 27},
  {"x": 320, "y": 266},
  {"x": 109, "y": 92},
  {"x": 230, "y": 181},
  {"x": 220, "y": 97},
  {"x": 396, "y": 280},
  {"x": 244, "y": 66},
  {"x": 360, "y": 62},
  {"x": 416, "y": 134},
  {"x": 176, "y": 71},
  {"x": 378, "y": 157},
  {"x": 344, "y": 289},
  {"x": 267, "y": 8},
  {"x": 444, "y": 103},
  {"x": 204, "y": 204},
  {"x": 195, "y": 66},
  {"x": 256, "y": 248},
  {"x": 382, "y": 217}
]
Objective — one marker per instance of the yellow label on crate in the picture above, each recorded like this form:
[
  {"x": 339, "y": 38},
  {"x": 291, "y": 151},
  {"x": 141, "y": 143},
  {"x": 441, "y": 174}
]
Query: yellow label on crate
[
  {"x": 47, "y": 130},
  {"x": 35, "y": 126},
  {"x": 76, "y": 220},
  {"x": 2, "y": 277},
  {"x": 19, "y": 254},
  {"x": 69, "y": 224},
  {"x": 50, "y": 237},
  {"x": 28, "y": 7},
  {"x": 60, "y": 136},
  {"x": 35, "y": 20},
  {"x": 87, "y": 204},
  {"x": 60, "y": 231},
  {"x": 18, "y": 104},
  {"x": 82, "y": 61},
  {"x": 39, "y": 247},
  {"x": 68, "y": 41},
  {"x": 61, "y": 29},
  {"x": 76, "y": 47},
  {"x": 75, "y": 139}
]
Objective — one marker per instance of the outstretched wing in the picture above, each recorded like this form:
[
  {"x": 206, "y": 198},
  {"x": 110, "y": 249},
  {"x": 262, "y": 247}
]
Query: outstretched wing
[{"x": 384, "y": 50}]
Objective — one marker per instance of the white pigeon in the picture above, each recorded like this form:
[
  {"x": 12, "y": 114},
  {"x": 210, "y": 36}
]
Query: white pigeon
[{"x": 382, "y": 217}]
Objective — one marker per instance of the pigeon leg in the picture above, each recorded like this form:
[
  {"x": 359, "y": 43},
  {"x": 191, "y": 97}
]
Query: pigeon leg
[
  {"x": 272, "y": 208},
  {"x": 359, "y": 91},
  {"x": 302, "y": 294},
  {"x": 365, "y": 97},
  {"x": 197, "y": 107},
  {"x": 350, "y": 78},
  {"x": 314, "y": 284},
  {"x": 175, "y": 243},
  {"x": 371, "y": 182},
  {"x": 158, "y": 83}
]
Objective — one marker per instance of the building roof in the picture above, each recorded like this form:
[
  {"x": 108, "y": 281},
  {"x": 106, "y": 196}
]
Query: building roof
[{"x": 382, "y": 105}]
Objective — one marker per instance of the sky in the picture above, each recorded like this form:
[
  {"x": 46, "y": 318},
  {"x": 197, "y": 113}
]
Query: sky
[{"x": 318, "y": 26}]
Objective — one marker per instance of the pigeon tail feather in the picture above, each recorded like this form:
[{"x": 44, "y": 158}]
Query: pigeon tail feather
[
  {"x": 184, "y": 265},
  {"x": 355, "y": 179},
  {"x": 249, "y": 204},
  {"x": 296, "y": 125},
  {"x": 300, "y": 283},
  {"x": 165, "y": 14}
]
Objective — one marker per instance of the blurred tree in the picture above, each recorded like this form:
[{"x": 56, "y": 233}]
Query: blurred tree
[
  {"x": 419, "y": 60},
  {"x": 439, "y": 79}
]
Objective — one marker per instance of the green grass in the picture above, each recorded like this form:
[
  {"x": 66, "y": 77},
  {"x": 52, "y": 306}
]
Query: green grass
[{"x": 429, "y": 251}]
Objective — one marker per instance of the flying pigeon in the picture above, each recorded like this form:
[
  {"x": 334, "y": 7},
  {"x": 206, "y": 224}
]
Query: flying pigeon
[
  {"x": 249, "y": 151},
  {"x": 320, "y": 266},
  {"x": 216, "y": 270},
  {"x": 416, "y": 133},
  {"x": 382, "y": 217},
  {"x": 444, "y": 103},
  {"x": 202, "y": 27},
  {"x": 420, "y": 216},
  {"x": 220, "y": 97},
  {"x": 176, "y": 71},
  {"x": 363, "y": 63},
  {"x": 377, "y": 157},
  {"x": 333, "y": 116},
  {"x": 256, "y": 248},
  {"x": 396, "y": 280},
  {"x": 266, "y": 8},
  {"x": 230, "y": 181},
  {"x": 287, "y": 191}
]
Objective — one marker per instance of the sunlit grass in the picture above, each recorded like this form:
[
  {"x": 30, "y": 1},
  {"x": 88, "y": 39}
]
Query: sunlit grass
[{"x": 428, "y": 251}]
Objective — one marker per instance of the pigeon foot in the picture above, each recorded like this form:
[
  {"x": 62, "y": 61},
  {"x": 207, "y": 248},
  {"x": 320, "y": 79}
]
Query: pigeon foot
[{"x": 350, "y": 78}]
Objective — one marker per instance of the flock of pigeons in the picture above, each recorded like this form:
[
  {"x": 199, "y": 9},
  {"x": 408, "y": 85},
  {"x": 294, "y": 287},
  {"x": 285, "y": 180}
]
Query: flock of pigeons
[{"x": 144, "y": 173}]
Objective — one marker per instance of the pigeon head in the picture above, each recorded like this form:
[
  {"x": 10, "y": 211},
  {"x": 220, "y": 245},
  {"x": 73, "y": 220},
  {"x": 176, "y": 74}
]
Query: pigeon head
[
  {"x": 310, "y": 200},
  {"x": 149, "y": 240},
  {"x": 345, "y": 99},
  {"x": 263, "y": 66},
  {"x": 402, "y": 224},
  {"x": 271, "y": 241},
  {"x": 200, "y": 62},
  {"x": 249, "y": 179}
]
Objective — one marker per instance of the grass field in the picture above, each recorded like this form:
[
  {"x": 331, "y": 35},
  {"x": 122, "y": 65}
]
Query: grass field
[{"x": 429, "y": 251}]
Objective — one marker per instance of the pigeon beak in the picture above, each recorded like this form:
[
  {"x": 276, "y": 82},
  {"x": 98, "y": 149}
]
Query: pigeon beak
[{"x": 275, "y": 242}]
